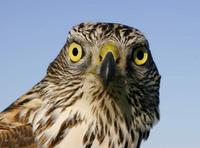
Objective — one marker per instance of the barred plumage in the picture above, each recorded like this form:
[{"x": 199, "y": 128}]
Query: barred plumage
[{"x": 102, "y": 90}]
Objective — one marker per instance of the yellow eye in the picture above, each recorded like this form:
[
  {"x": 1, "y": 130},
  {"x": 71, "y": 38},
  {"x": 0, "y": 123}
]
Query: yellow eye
[
  {"x": 140, "y": 55},
  {"x": 75, "y": 52}
]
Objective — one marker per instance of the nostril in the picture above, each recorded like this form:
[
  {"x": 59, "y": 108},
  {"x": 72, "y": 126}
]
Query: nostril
[{"x": 117, "y": 60}]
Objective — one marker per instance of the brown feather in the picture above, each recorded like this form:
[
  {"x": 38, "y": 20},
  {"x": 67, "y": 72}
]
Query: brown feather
[{"x": 16, "y": 135}]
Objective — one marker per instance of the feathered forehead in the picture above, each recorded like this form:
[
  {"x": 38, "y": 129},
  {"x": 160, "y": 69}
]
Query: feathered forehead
[{"x": 94, "y": 32}]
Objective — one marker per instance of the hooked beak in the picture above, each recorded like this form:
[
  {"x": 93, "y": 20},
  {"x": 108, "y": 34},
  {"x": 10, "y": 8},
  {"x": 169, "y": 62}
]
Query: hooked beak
[{"x": 108, "y": 68}]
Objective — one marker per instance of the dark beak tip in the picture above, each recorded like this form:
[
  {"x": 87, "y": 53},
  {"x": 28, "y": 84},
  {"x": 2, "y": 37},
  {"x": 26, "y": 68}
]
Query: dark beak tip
[{"x": 107, "y": 71}]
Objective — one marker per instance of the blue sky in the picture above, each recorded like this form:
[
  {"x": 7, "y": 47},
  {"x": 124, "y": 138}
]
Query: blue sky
[{"x": 33, "y": 32}]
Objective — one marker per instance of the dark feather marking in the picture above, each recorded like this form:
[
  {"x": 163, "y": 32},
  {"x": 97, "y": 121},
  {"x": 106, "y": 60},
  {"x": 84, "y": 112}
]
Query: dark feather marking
[
  {"x": 44, "y": 125},
  {"x": 109, "y": 144},
  {"x": 127, "y": 123},
  {"x": 142, "y": 136},
  {"x": 72, "y": 91},
  {"x": 70, "y": 103},
  {"x": 114, "y": 108},
  {"x": 126, "y": 144},
  {"x": 121, "y": 135},
  {"x": 26, "y": 116},
  {"x": 85, "y": 138},
  {"x": 24, "y": 101},
  {"x": 88, "y": 146},
  {"x": 113, "y": 145},
  {"x": 67, "y": 124},
  {"x": 42, "y": 139},
  {"x": 106, "y": 128},
  {"x": 100, "y": 134},
  {"x": 17, "y": 117},
  {"x": 109, "y": 133},
  {"x": 50, "y": 110},
  {"x": 108, "y": 116},
  {"x": 60, "y": 134},
  {"x": 115, "y": 126},
  {"x": 92, "y": 137},
  {"x": 87, "y": 134},
  {"x": 132, "y": 135},
  {"x": 102, "y": 103}
]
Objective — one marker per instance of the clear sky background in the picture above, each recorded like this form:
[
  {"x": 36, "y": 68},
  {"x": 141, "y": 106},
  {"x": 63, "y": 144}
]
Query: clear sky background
[{"x": 33, "y": 32}]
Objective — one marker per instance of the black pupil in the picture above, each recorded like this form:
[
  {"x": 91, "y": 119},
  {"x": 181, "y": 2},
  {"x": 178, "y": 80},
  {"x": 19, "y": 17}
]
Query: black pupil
[
  {"x": 75, "y": 51},
  {"x": 140, "y": 55}
]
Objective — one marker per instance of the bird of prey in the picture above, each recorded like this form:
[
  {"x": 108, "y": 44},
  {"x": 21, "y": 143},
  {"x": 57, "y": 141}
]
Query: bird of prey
[{"x": 101, "y": 91}]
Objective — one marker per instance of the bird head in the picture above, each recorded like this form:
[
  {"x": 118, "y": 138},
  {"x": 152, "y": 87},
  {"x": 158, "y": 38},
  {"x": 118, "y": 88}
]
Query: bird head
[{"x": 111, "y": 67}]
